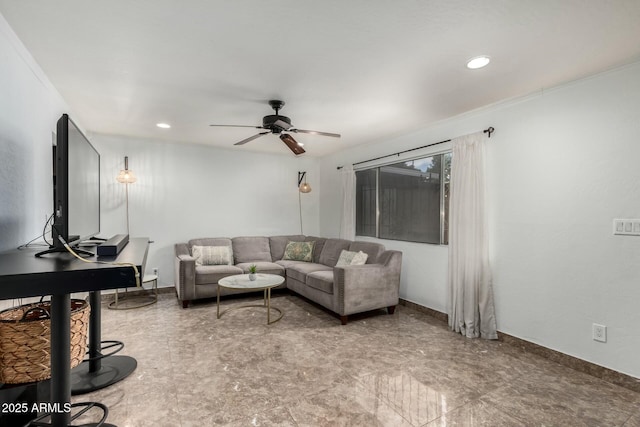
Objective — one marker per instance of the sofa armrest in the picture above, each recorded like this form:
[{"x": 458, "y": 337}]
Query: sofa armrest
[
  {"x": 185, "y": 277},
  {"x": 182, "y": 249},
  {"x": 367, "y": 287}
]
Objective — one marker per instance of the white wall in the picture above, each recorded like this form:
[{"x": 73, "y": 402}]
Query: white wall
[
  {"x": 185, "y": 191},
  {"x": 562, "y": 165},
  {"x": 29, "y": 109}
]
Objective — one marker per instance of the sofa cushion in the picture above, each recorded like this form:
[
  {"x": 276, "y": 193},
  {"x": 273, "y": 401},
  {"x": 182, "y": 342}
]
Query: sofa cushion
[
  {"x": 251, "y": 249},
  {"x": 299, "y": 251},
  {"x": 321, "y": 280},
  {"x": 210, "y": 274},
  {"x": 317, "y": 248},
  {"x": 212, "y": 255},
  {"x": 370, "y": 248},
  {"x": 278, "y": 243},
  {"x": 262, "y": 267},
  {"x": 351, "y": 258},
  {"x": 300, "y": 270},
  {"x": 331, "y": 251},
  {"x": 286, "y": 263}
]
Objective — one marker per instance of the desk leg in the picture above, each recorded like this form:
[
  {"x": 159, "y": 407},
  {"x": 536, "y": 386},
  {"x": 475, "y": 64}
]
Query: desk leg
[
  {"x": 60, "y": 358},
  {"x": 95, "y": 334},
  {"x": 99, "y": 372}
]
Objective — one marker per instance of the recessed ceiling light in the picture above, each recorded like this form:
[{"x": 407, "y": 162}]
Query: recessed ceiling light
[
  {"x": 478, "y": 62},
  {"x": 163, "y": 125}
]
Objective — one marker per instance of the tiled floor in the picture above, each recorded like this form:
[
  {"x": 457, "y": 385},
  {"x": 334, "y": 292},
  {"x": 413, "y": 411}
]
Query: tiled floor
[{"x": 307, "y": 370}]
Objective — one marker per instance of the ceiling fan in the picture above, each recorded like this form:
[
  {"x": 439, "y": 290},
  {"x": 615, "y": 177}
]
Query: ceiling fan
[{"x": 281, "y": 126}]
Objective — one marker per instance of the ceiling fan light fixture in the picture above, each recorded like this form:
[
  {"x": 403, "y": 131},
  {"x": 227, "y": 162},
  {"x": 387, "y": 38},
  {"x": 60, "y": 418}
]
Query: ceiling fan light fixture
[{"x": 478, "y": 62}]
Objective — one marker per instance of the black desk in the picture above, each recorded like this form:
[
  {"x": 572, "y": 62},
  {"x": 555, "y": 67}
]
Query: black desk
[{"x": 59, "y": 275}]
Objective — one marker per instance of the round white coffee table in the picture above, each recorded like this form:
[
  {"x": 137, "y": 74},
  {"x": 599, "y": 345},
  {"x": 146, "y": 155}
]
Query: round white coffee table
[{"x": 263, "y": 282}]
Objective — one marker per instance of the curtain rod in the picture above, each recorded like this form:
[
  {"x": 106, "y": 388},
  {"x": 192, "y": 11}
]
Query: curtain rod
[{"x": 488, "y": 130}]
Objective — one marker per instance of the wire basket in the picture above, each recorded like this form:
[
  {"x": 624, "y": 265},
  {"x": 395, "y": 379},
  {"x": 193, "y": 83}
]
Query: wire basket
[{"x": 25, "y": 340}]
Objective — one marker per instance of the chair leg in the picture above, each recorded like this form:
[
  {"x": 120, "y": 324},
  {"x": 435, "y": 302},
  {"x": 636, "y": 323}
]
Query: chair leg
[
  {"x": 391, "y": 309},
  {"x": 185, "y": 303},
  {"x": 344, "y": 319}
]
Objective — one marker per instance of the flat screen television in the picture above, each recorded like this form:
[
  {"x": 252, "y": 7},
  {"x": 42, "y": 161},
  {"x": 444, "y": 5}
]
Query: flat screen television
[{"x": 76, "y": 188}]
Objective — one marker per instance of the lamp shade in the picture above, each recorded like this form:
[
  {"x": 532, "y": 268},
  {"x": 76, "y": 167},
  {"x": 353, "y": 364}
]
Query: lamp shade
[
  {"x": 305, "y": 188},
  {"x": 126, "y": 176}
]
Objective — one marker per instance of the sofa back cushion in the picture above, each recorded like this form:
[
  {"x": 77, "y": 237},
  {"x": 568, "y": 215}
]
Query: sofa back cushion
[
  {"x": 331, "y": 251},
  {"x": 250, "y": 249},
  {"x": 278, "y": 243},
  {"x": 317, "y": 247},
  {"x": 370, "y": 248}
]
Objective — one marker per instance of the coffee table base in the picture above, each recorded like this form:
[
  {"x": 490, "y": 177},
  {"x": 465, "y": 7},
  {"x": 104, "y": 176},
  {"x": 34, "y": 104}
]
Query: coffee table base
[
  {"x": 267, "y": 305},
  {"x": 269, "y": 321}
]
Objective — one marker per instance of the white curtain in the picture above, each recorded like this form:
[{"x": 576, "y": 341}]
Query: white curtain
[
  {"x": 348, "y": 220},
  {"x": 471, "y": 309}
]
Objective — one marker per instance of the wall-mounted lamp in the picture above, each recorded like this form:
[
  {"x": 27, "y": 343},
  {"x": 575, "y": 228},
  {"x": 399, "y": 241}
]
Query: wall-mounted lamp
[
  {"x": 126, "y": 177},
  {"x": 303, "y": 187}
]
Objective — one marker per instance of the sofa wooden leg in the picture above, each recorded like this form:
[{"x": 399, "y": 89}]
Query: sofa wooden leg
[
  {"x": 185, "y": 303},
  {"x": 391, "y": 309},
  {"x": 344, "y": 319}
]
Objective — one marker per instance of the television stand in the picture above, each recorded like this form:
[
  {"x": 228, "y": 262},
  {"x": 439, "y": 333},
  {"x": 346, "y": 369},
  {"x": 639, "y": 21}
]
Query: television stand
[{"x": 58, "y": 249}]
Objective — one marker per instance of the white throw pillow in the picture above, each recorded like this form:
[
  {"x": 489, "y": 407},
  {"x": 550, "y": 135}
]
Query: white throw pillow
[
  {"x": 351, "y": 258},
  {"x": 359, "y": 259},
  {"x": 211, "y": 255}
]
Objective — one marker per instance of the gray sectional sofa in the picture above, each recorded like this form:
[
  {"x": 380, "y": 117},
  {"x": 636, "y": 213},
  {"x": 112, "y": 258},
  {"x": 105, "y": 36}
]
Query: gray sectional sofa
[{"x": 344, "y": 290}]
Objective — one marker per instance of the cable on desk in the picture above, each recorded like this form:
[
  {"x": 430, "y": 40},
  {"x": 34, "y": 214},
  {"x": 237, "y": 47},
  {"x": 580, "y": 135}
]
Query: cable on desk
[{"x": 72, "y": 252}]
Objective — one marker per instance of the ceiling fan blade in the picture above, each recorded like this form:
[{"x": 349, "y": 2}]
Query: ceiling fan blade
[
  {"x": 291, "y": 143},
  {"x": 315, "y": 132},
  {"x": 251, "y": 138},
  {"x": 239, "y": 126}
]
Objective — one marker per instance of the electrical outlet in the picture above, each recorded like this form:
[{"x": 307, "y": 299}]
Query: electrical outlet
[
  {"x": 155, "y": 271},
  {"x": 599, "y": 333}
]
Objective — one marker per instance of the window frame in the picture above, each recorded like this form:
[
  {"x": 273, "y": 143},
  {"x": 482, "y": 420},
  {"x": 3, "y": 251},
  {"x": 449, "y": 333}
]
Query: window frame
[{"x": 443, "y": 232}]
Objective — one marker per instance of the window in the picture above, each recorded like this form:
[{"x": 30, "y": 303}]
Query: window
[{"x": 405, "y": 201}]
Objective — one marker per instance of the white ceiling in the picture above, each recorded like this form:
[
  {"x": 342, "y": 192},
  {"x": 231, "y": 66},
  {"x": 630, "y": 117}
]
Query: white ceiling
[{"x": 367, "y": 69}]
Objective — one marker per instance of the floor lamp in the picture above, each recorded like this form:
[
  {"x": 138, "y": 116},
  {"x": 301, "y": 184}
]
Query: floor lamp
[
  {"x": 126, "y": 177},
  {"x": 303, "y": 187}
]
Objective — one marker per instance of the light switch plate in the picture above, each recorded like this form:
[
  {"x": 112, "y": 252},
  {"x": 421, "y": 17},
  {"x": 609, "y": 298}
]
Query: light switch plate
[{"x": 626, "y": 227}]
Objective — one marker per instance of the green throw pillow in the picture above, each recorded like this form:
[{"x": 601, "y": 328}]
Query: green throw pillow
[{"x": 299, "y": 251}]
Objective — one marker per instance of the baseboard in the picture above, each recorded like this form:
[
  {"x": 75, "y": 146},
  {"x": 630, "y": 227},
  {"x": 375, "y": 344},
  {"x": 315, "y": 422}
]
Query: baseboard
[
  {"x": 443, "y": 317},
  {"x": 572, "y": 362}
]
